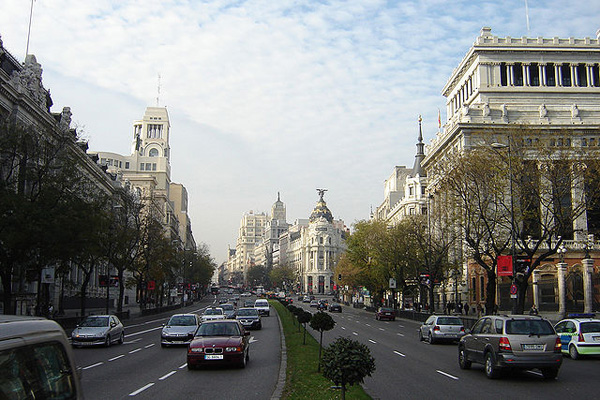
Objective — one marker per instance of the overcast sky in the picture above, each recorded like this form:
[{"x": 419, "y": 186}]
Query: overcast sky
[{"x": 269, "y": 96}]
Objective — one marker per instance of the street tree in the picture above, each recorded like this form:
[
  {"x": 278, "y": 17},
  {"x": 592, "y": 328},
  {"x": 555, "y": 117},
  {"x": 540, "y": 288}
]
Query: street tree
[
  {"x": 321, "y": 322},
  {"x": 347, "y": 362},
  {"x": 282, "y": 276},
  {"x": 304, "y": 317}
]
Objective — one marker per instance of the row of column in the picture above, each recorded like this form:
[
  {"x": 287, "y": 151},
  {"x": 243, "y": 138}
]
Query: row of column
[
  {"x": 588, "y": 293},
  {"x": 591, "y": 74}
]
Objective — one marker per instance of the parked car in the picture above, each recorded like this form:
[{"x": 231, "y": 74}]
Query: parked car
[
  {"x": 262, "y": 306},
  {"x": 213, "y": 313},
  {"x": 385, "y": 313},
  {"x": 314, "y": 303},
  {"x": 516, "y": 341},
  {"x": 249, "y": 318},
  {"x": 229, "y": 310},
  {"x": 98, "y": 330},
  {"x": 441, "y": 327},
  {"x": 579, "y": 335},
  {"x": 335, "y": 307},
  {"x": 219, "y": 342},
  {"x": 36, "y": 360},
  {"x": 179, "y": 330}
]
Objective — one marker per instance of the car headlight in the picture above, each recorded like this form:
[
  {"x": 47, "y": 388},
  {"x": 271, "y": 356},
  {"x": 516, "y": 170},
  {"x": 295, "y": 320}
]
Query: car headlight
[{"x": 232, "y": 349}]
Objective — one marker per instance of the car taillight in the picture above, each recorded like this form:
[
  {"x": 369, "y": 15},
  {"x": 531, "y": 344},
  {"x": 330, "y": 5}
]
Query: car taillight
[
  {"x": 557, "y": 345},
  {"x": 436, "y": 328},
  {"x": 581, "y": 338},
  {"x": 462, "y": 328},
  {"x": 504, "y": 344}
]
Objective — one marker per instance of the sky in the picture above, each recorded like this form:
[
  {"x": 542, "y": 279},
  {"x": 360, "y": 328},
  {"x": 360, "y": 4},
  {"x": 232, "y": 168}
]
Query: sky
[{"x": 269, "y": 96}]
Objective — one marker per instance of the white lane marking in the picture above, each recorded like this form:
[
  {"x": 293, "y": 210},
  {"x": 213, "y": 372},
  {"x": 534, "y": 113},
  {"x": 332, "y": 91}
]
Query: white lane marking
[
  {"x": 117, "y": 357},
  {"x": 342, "y": 327},
  {"x": 162, "y": 378},
  {"x": 535, "y": 373},
  {"x": 381, "y": 329},
  {"x": 372, "y": 341},
  {"x": 145, "y": 323},
  {"x": 135, "y": 351},
  {"x": 140, "y": 390},
  {"x": 400, "y": 354},
  {"x": 401, "y": 326},
  {"x": 93, "y": 365},
  {"x": 368, "y": 324},
  {"x": 448, "y": 375},
  {"x": 132, "y": 341},
  {"x": 146, "y": 331},
  {"x": 354, "y": 333},
  {"x": 252, "y": 340},
  {"x": 183, "y": 366},
  {"x": 149, "y": 345},
  {"x": 400, "y": 334}
]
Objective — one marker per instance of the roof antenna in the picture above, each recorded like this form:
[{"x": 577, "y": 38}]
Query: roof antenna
[
  {"x": 158, "y": 91},
  {"x": 527, "y": 17},
  {"x": 29, "y": 30}
]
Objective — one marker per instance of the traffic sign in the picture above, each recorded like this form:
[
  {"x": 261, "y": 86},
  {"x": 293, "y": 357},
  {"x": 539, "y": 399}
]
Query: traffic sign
[{"x": 513, "y": 289}]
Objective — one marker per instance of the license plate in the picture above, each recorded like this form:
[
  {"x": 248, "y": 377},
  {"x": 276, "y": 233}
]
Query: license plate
[
  {"x": 213, "y": 357},
  {"x": 533, "y": 347},
  {"x": 596, "y": 338}
]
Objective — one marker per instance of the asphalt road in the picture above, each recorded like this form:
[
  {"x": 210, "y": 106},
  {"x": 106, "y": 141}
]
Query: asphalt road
[
  {"x": 140, "y": 368},
  {"x": 409, "y": 369}
]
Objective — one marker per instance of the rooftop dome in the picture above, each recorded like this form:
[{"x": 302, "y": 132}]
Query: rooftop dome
[{"x": 321, "y": 209}]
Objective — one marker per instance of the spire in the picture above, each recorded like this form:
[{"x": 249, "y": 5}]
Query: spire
[{"x": 417, "y": 169}]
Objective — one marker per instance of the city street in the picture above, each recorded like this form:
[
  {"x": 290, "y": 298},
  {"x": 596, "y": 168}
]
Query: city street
[
  {"x": 407, "y": 368},
  {"x": 141, "y": 368}
]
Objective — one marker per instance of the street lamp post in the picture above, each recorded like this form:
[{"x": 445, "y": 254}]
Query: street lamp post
[{"x": 512, "y": 213}]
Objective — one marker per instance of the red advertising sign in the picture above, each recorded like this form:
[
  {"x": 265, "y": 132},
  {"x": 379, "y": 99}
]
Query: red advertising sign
[
  {"x": 151, "y": 285},
  {"x": 505, "y": 266}
]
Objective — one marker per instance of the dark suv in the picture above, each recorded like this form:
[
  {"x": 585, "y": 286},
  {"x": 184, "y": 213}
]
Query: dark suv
[{"x": 514, "y": 341}]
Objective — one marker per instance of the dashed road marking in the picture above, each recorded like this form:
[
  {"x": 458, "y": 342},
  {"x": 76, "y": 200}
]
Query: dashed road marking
[
  {"x": 400, "y": 354},
  {"x": 93, "y": 365},
  {"x": 140, "y": 390},
  {"x": 135, "y": 351},
  {"x": 400, "y": 334},
  {"x": 381, "y": 329},
  {"x": 372, "y": 341},
  {"x": 117, "y": 357},
  {"x": 448, "y": 375},
  {"x": 354, "y": 333},
  {"x": 183, "y": 366},
  {"x": 162, "y": 378},
  {"x": 149, "y": 345}
]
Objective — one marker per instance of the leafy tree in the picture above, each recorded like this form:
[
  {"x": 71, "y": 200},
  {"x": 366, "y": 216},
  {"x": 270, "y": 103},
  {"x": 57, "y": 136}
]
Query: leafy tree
[
  {"x": 259, "y": 275},
  {"x": 282, "y": 275},
  {"x": 304, "y": 317},
  {"x": 347, "y": 362},
  {"x": 321, "y": 322}
]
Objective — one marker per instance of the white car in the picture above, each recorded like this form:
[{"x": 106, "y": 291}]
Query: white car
[
  {"x": 262, "y": 306},
  {"x": 213, "y": 313},
  {"x": 579, "y": 335}
]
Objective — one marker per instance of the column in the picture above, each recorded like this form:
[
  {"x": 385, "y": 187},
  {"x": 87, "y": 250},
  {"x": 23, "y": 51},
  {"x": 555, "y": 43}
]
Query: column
[
  {"x": 526, "y": 72},
  {"x": 536, "y": 290},
  {"x": 590, "y": 75},
  {"x": 510, "y": 75},
  {"x": 558, "y": 74},
  {"x": 588, "y": 269},
  {"x": 495, "y": 78},
  {"x": 574, "y": 77},
  {"x": 542, "y": 69},
  {"x": 561, "y": 268}
]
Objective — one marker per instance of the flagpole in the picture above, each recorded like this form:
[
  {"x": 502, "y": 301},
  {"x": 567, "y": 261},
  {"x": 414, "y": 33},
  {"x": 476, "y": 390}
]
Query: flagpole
[{"x": 29, "y": 30}]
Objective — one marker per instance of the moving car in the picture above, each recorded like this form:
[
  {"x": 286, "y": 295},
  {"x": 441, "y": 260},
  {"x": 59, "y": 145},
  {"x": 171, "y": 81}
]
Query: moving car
[
  {"x": 385, "y": 313},
  {"x": 98, "y": 330},
  {"x": 306, "y": 299},
  {"x": 219, "y": 342},
  {"x": 511, "y": 341},
  {"x": 179, "y": 330},
  {"x": 441, "y": 327},
  {"x": 229, "y": 310},
  {"x": 335, "y": 307},
  {"x": 314, "y": 303},
  {"x": 213, "y": 313},
  {"x": 262, "y": 305},
  {"x": 36, "y": 360},
  {"x": 579, "y": 335},
  {"x": 249, "y": 318}
]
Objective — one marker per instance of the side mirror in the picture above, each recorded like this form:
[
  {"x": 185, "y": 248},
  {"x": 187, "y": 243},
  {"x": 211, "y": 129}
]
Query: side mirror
[{"x": 467, "y": 331}]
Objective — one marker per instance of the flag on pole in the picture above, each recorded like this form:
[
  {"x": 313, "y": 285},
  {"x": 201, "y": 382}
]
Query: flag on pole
[{"x": 439, "y": 119}]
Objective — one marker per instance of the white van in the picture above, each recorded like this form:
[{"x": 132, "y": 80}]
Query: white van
[
  {"x": 262, "y": 306},
  {"x": 36, "y": 360}
]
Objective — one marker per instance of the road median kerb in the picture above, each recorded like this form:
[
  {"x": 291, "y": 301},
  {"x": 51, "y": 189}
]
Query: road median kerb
[{"x": 282, "y": 365}]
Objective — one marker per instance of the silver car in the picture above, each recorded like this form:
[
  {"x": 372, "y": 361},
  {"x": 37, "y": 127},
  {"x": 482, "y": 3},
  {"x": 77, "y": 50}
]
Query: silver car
[
  {"x": 441, "y": 327},
  {"x": 213, "y": 313},
  {"x": 98, "y": 330},
  {"x": 179, "y": 330}
]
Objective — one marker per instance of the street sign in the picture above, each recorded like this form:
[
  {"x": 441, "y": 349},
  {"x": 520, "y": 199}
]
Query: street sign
[
  {"x": 392, "y": 283},
  {"x": 513, "y": 289}
]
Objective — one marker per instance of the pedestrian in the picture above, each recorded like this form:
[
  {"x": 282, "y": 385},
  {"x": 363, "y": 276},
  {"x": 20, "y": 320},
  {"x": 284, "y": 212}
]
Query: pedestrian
[
  {"x": 533, "y": 310},
  {"x": 459, "y": 308},
  {"x": 466, "y": 308},
  {"x": 479, "y": 310}
]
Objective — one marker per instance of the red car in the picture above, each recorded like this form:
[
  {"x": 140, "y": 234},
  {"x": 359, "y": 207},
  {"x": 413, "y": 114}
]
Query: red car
[
  {"x": 219, "y": 342},
  {"x": 385, "y": 313}
]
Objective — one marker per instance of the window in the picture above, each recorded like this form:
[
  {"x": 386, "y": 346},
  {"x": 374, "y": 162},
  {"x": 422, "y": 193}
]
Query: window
[
  {"x": 126, "y": 164},
  {"x": 503, "y": 75},
  {"x": 482, "y": 287},
  {"x": 410, "y": 190},
  {"x": 148, "y": 166},
  {"x": 141, "y": 166},
  {"x": 153, "y": 153},
  {"x": 153, "y": 166},
  {"x": 565, "y": 73},
  {"x": 534, "y": 74},
  {"x": 595, "y": 75},
  {"x": 518, "y": 74},
  {"x": 550, "y": 75},
  {"x": 581, "y": 75}
]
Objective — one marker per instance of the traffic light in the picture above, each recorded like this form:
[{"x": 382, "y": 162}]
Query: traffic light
[
  {"x": 339, "y": 277},
  {"x": 522, "y": 265}
]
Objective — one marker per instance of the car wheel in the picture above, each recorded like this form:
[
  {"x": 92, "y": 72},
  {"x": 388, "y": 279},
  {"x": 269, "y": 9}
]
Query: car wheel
[
  {"x": 573, "y": 353},
  {"x": 431, "y": 339},
  {"x": 420, "y": 336},
  {"x": 491, "y": 371},
  {"x": 245, "y": 360},
  {"x": 463, "y": 360},
  {"x": 122, "y": 338},
  {"x": 107, "y": 341},
  {"x": 190, "y": 366},
  {"x": 550, "y": 373}
]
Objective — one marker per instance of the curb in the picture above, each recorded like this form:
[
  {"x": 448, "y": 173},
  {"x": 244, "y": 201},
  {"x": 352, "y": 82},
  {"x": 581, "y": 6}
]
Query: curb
[{"x": 282, "y": 365}]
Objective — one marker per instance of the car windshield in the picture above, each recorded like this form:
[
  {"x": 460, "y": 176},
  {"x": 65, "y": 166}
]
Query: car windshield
[
  {"x": 213, "y": 311},
  {"x": 182, "y": 320},
  {"x": 245, "y": 312},
  {"x": 227, "y": 307},
  {"x": 385, "y": 309},
  {"x": 589, "y": 327},
  {"x": 449, "y": 321},
  {"x": 261, "y": 304},
  {"x": 94, "y": 322},
  {"x": 529, "y": 327},
  {"x": 219, "y": 329}
]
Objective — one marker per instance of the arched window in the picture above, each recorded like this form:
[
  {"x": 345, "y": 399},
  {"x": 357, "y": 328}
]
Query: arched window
[{"x": 153, "y": 153}]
